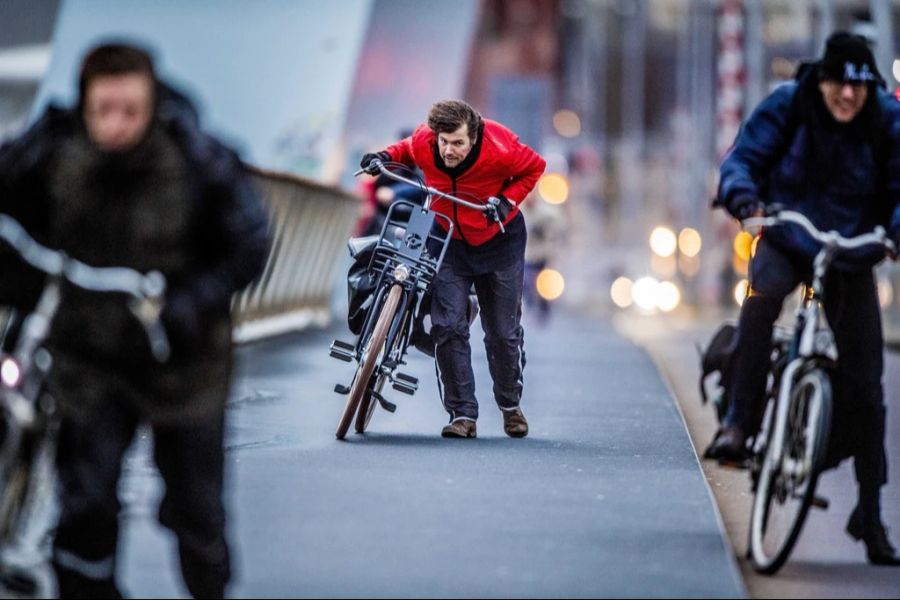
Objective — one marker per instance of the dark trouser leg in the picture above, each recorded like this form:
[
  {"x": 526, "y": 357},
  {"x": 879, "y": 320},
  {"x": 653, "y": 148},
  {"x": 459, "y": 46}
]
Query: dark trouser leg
[
  {"x": 500, "y": 297},
  {"x": 89, "y": 463},
  {"x": 859, "y": 423},
  {"x": 772, "y": 277},
  {"x": 191, "y": 461},
  {"x": 453, "y": 355}
]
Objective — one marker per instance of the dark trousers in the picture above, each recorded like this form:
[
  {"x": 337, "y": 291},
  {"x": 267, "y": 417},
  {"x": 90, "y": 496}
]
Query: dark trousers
[
  {"x": 190, "y": 458},
  {"x": 852, "y": 309},
  {"x": 500, "y": 300}
]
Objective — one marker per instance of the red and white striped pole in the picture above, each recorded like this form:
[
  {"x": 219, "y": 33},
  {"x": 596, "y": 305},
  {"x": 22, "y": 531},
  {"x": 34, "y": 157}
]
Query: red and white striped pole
[{"x": 731, "y": 75}]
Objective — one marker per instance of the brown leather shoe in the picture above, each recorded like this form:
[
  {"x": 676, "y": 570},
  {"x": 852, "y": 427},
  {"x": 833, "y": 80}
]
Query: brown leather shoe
[
  {"x": 463, "y": 428},
  {"x": 514, "y": 423}
]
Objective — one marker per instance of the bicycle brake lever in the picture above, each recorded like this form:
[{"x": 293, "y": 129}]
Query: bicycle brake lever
[{"x": 491, "y": 209}]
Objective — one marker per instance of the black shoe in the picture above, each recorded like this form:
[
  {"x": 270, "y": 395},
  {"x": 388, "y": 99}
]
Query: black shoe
[
  {"x": 874, "y": 534},
  {"x": 729, "y": 445}
]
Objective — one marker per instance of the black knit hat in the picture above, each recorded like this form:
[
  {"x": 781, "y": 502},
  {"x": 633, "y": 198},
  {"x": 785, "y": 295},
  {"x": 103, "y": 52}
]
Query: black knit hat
[{"x": 849, "y": 59}]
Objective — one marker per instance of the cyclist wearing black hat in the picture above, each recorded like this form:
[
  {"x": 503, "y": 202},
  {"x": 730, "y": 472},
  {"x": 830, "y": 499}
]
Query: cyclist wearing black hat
[{"x": 826, "y": 145}]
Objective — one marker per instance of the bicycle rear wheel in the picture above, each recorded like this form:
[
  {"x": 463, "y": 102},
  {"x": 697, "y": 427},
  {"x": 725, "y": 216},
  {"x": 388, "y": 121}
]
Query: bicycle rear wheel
[
  {"x": 787, "y": 485},
  {"x": 362, "y": 380}
]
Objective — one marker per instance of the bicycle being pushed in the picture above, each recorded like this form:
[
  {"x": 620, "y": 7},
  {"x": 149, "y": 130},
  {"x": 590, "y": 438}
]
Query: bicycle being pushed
[
  {"x": 789, "y": 453},
  {"x": 28, "y": 418},
  {"x": 405, "y": 258}
]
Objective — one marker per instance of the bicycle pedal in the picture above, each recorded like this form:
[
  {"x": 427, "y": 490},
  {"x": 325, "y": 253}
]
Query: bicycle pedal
[
  {"x": 402, "y": 387},
  {"x": 407, "y": 379},
  {"x": 820, "y": 502},
  {"x": 342, "y": 389},
  {"x": 342, "y": 351},
  {"x": 405, "y": 383},
  {"x": 388, "y": 406}
]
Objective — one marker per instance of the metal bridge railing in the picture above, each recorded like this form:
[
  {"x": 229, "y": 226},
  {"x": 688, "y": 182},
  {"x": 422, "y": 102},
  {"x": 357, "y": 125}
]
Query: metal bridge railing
[{"x": 309, "y": 227}]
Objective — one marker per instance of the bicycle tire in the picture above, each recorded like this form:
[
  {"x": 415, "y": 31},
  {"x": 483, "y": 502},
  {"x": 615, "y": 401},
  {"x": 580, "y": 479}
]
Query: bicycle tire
[
  {"x": 769, "y": 561},
  {"x": 364, "y": 370},
  {"x": 368, "y": 404}
]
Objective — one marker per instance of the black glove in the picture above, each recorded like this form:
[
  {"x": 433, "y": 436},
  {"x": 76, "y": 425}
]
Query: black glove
[
  {"x": 181, "y": 319},
  {"x": 366, "y": 162},
  {"x": 894, "y": 236},
  {"x": 744, "y": 207},
  {"x": 501, "y": 207}
]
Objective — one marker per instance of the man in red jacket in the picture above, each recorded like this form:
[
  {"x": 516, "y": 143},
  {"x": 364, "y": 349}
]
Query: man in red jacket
[{"x": 476, "y": 159}]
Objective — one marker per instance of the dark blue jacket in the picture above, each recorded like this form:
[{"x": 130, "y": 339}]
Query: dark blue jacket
[{"x": 840, "y": 185}]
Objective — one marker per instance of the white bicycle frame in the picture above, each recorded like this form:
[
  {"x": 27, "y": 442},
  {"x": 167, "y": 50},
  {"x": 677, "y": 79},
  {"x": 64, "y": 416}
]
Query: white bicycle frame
[{"x": 816, "y": 338}]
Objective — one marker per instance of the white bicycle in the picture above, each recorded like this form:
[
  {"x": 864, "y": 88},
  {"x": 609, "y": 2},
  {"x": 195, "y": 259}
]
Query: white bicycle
[{"x": 790, "y": 451}]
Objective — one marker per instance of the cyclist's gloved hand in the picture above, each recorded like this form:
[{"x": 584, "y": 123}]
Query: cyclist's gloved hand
[
  {"x": 366, "y": 162},
  {"x": 744, "y": 207},
  {"x": 894, "y": 236},
  {"x": 181, "y": 319},
  {"x": 501, "y": 207}
]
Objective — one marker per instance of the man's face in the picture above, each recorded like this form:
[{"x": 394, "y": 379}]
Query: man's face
[
  {"x": 118, "y": 110},
  {"x": 844, "y": 100},
  {"x": 455, "y": 147}
]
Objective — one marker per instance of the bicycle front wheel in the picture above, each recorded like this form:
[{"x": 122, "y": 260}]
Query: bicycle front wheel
[
  {"x": 787, "y": 483},
  {"x": 362, "y": 380}
]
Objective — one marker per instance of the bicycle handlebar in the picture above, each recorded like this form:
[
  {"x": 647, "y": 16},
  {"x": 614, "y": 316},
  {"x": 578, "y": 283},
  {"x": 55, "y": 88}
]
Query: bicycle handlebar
[
  {"x": 828, "y": 238},
  {"x": 146, "y": 291},
  {"x": 490, "y": 209}
]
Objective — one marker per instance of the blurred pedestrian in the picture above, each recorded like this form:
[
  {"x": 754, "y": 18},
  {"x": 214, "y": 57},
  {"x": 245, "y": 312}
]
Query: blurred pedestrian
[
  {"x": 546, "y": 228},
  {"x": 126, "y": 178}
]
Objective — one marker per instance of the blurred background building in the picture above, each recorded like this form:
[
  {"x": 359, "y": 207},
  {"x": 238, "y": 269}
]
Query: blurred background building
[{"x": 633, "y": 102}]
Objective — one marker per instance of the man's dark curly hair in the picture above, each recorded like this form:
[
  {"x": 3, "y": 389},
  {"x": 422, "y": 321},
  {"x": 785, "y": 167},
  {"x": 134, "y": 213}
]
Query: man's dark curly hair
[{"x": 449, "y": 115}]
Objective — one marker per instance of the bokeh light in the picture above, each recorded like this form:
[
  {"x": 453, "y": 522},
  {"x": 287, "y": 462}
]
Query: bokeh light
[
  {"x": 663, "y": 241},
  {"x": 10, "y": 372},
  {"x": 621, "y": 292},
  {"x": 553, "y": 188},
  {"x": 643, "y": 292},
  {"x": 690, "y": 242},
  {"x": 567, "y": 123},
  {"x": 550, "y": 284},
  {"x": 668, "y": 296},
  {"x": 743, "y": 242}
]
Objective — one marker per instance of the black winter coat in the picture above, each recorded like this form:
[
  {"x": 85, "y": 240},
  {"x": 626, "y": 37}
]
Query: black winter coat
[{"x": 181, "y": 203}]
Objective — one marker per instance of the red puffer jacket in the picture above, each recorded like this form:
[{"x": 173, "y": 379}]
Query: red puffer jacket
[{"x": 498, "y": 164}]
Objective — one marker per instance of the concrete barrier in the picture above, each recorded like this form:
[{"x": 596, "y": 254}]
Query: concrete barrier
[{"x": 309, "y": 227}]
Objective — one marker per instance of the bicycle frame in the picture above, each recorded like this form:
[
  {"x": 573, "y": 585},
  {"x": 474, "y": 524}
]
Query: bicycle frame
[
  {"x": 788, "y": 453},
  {"x": 813, "y": 338},
  {"x": 407, "y": 262}
]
